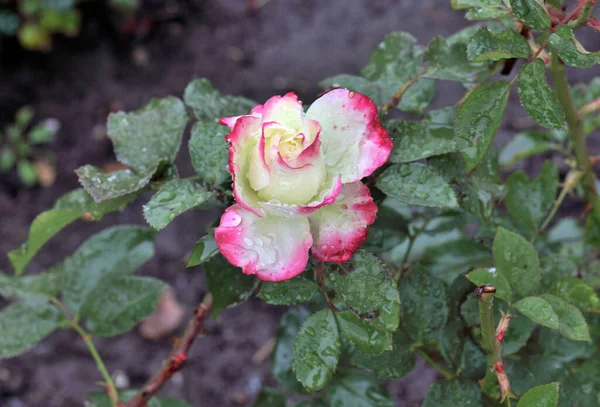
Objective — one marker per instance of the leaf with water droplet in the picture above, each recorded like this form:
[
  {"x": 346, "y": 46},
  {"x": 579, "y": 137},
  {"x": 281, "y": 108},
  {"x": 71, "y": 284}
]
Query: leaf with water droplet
[
  {"x": 315, "y": 356},
  {"x": 539, "y": 311},
  {"x": 524, "y": 145},
  {"x": 485, "y": 45},
  {"x": 531, "y": 13},
  {"x": 289, "y": 325},
  {"x": 354, "y": 388},
  {"x": 391, "y": 364},
  {"x": 209, "y": 153},
  {"x": 453, "y": 393},
  {"x": 108, "y": 186},
  {"x": 485, "y": 276},
  {"x": 208, "y": 104},
  {"x": 289, "y": 292},
  {"x": 367, "y": 337},
  {"x": 541, "y": 396},
  {"x": 538, "y": 98},
  {"x": 577, "y": 292},
  {"x": 369, "y": 288},
  {"x": 570, "y": 50},
  {"x": 417, "y": 184},
  {"x": 228, "y": 285},
  {"x": 572, "y": 324},
  {"x": 517, "y": 260},
  {"x": 478, "y": 120}
]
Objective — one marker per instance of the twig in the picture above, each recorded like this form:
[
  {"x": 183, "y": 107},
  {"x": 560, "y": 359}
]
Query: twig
[
  {"x": 433, "y": 364},
  {"x": 590, "y": 107},
  {"x": 319, "y": 273},
  {"x": 177, "y": 358},
  {"x": 397, "y": 97}
]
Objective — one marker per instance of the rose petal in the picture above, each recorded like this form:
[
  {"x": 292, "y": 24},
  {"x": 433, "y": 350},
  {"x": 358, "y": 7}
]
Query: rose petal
[
  {"x": 341, "y": 228},
  {"x": 353, "y": 141},
  {"x": 273, "y": 248},
  {"x": 230, "y": 121},
  {"x": 286, "y": 110}
]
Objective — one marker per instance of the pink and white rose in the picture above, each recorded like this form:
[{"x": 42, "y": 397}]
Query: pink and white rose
[{"x": 296, "y": 180}]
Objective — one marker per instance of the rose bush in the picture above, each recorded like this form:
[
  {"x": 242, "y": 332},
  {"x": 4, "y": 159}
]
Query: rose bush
[{"x": 296, "y": 180}]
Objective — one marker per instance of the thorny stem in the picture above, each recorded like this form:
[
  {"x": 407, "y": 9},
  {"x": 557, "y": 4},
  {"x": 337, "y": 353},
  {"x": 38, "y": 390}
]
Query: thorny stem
[
  {"x": 111, "y": 389},
  {"x": 178, "y": 355},
  {"x": 397, "y": 97},
  {"x": 433, "y": 364},
  {"x": 576, "y": 131},
  {"x": 319, "y": 271}
]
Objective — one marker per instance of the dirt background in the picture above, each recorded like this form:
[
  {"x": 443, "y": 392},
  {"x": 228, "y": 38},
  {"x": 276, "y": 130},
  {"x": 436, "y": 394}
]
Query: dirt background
[{"x": 284, "y": 45}]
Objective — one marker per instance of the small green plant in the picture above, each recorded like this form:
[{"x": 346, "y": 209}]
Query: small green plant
[
  {"x": 21, "y": 147},
  {"x": 388, "y": 239}
]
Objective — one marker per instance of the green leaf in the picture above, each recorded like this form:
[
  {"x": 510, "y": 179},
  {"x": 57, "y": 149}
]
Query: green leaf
[
  {"x": 269, "y": 397},
  {"x": 204, "y": 249},
  {"x": 45, "y": 285},
  {"x": 7, "y": 160},
  {"x": 114, "y": 252},
  {"x": 572, "y": 323},
  {"x": 524, "y": 145},
  {"x": 354, "y": 388},
  {"x": 478, "y": 120},
  {"x": 576, "y": 292},
  {"x": 448, "y": 61},
  {"x": 42, "y": 229},
  {"x": 27, "y": 173},
  {"x": 316, "y": 350},
  {"x": 570, "y": 50},
  {"x": 368, "y": 288},
  {"x": 228, "y": 285},
  {"x": 146, "y": 137},
  {"x": 365, "y": 336},
  {"x": 106, "y": 186},
  {"x": 24, "y": 324},
  {"x": 424, "y": 306},
  {"x": 556, "y": 267},
  {"x": 101, "y": 399},
  {"x": 44, "y": 132},
  {"x": 289, "y": 325},
  {"x": 174, "y": 198},
  {"x": 393, "y": 63},
  {"x": 486, "y": 46},
  {"x": 117, "y": 305},
  {"x": 376, "y": 91},
  {"x": 538, "y": 98},
  {"x": 453, "y": 393},
  {"x": 472, "y": 361},
  {"x": 417, "y": 184},
  {"x": 517, "y": 335},
  {"x": 389, "y": 229},
  {"x": 208, "y": 151},
  {"x": 451, "y": 341},
  {"x": 517, "y": 260},
  {"x": 541, "y": 396},
  {"x": 289, "y": 292},
  {"x": 414, "y": 140},
  {"x": 208, "y": 104},
  {"x": 539, "y": 311},
  {"x": 582, "y": 385},
  {"x": 527, "y": 201},
  {"x": 487, "y": 13},
  {"x": 80, "y": 200},
  {"x": 531, "y": 13},
  {"x": 485, "y": 276},
  {"x": 391, "y": 364}
]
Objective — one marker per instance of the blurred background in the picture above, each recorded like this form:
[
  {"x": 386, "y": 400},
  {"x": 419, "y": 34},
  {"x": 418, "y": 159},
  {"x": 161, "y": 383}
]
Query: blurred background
[{"x": 109, "y": 56}]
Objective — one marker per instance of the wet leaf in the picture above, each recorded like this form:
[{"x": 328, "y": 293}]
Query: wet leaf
[
  {"x": 571, "y": 322},
  {"x": 487, "y": 13},
  {"x": 531, "y": 13},
  {"x": 417, "y": 184},
  {"x": 367, "y": 337},
  {"x": 24, "y": 324},
  {"x": 541, "y": 396},
  {"x": 538, "y": 98},
  {"x": 80, "y": 200},
  {"x": 391, "y": 364},
  {"x": 107, "y": 186},
  {"x": 354, "y": 388},
  {"x": 478, "y": 120},
  {"x": 228, "y": 285},
  {"x": 289, "y": 325},
  {"x": 45, "y": 285},
  {"x": 204, "y": 249},
  {"x": 576, "y": 292},
  {"x": 208, "y": 151},
  {"x": 582, "y": 385},
  {"x": 485, "y": 276},
  {"x": 414, "y": 140},
  {"x": 101, "y": 399},
  {"x": 486, "y": 45},
  {"x": 453, "y": 393},
  {"x": 316, "y": 350},
  {"x": 524, "y": 145},
  {"x": 517, "y": 335},
  {"x": 368, "y": 288},
  {"x": 269, "y": 397},
  {"x": 43, "y": 228},
  {"x": 289, "y": 292},
  {"x": 114, "y": 252},
  {"x": 517, "y": 261},
  {"x": 570, "y": 50},
  {"x": 174, "y": 198},
  {"x": 116, "y": 306},
  {"x": 146, "y": 137},
  {"x": 556, "y": 267},
  {"x": 208, "y": 104},
  {"x": 539, "y": 311},
  {"x": 424, "y": 307},
  {"x": 528, "y": 202}
]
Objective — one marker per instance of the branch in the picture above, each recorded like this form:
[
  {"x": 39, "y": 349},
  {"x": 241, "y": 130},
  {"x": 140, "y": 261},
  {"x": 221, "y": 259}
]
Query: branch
[
  {"x": 319, "y": 271},
  {"x": 177, "y": 358},
  {"x": 397, "y": 97}
]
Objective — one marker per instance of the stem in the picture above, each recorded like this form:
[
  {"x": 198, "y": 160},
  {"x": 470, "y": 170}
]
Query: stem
[
  {"x": 111, "y": 389},
  {"x": 319, "y": 273},
  {"x": 437, "y": 367},
  {"x": 177, "y": 358},
  {"x": 571, "y": 182},
  {"x": 397, "y": 97},
  {"x": 577, "y": 132},
  {"x": 488, "y": 330},
  {"x": 590, "y": 108}
]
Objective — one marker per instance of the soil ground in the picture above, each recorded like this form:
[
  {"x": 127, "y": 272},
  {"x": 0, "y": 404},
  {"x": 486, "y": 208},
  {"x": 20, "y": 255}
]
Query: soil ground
[{"x": 285, "y": 45}]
